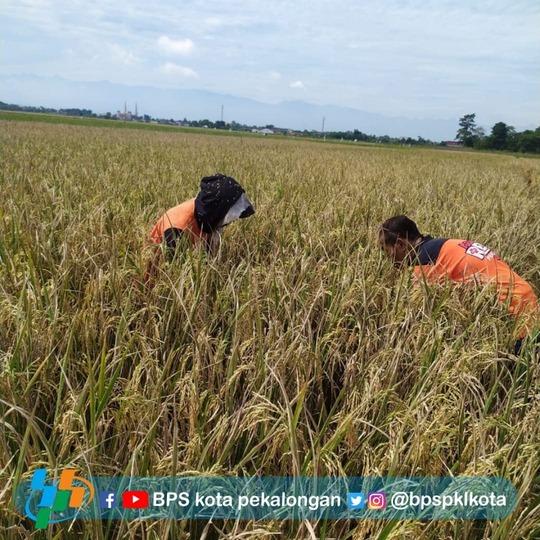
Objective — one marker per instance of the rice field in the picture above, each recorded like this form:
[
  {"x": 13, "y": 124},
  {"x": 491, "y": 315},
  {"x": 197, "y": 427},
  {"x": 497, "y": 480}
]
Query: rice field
[{"x": 297, "y": 350}]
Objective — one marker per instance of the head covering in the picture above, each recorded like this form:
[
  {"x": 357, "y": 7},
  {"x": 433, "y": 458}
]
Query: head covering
[
  {"x": 241, "y": 209},
  {"x": 217, "y": 196}
]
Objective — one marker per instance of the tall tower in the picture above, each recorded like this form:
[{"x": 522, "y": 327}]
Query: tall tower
[{"x": 136, "y": 112}]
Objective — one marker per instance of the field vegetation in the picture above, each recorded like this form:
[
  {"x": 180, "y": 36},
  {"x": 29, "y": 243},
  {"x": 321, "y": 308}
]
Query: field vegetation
[{"x": 297, "y": 350}]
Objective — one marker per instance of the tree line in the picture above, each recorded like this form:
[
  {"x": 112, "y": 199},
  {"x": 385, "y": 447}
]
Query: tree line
[
  {"x": 501, "y": 137},
  {"x": 354, "y": 135},
  {"x": 357, "y": 135},
  {"x": 88, "y": 113}
]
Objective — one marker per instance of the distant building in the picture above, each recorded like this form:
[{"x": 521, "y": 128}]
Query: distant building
[
  {"x": 126, "y": 115},
  {"x": 123, "y": 115},
  {"x": 263, "y": 131}
]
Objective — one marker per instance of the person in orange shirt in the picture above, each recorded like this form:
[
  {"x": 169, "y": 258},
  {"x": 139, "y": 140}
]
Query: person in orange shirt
[
  {"x": 436, "y": 260},
  {"x": 220, "y": 201}
]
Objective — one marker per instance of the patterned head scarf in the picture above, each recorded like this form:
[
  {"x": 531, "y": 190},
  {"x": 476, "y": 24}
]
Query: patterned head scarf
[{"x": 220, "y": 201}]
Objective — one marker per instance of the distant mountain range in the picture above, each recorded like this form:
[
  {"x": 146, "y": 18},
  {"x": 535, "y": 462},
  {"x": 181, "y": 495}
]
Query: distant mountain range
[{"x": 104, "y": 96}]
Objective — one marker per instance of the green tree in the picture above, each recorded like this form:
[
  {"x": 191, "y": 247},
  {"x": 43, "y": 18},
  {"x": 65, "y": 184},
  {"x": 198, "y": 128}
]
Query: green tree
[
  {"x": 466, "y": 133},
  {"x": 501, "y": 135},
  {"x": 528, "y": 141}
]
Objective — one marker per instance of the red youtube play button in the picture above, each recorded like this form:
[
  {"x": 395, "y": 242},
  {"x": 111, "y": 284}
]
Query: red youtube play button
[{"x": 135, "y": 499}]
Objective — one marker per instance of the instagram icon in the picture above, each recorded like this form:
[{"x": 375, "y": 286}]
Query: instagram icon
[{"x": 376, "y": 501}]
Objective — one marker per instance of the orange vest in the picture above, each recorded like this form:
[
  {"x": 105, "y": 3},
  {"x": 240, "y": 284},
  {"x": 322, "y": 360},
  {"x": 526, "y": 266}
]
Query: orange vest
[
  {"x": 463, "y": 261},
  {"x": 180, "y": 217}
]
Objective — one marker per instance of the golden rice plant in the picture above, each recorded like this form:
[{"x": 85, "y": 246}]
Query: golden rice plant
[{"x": 297, "y": 350}]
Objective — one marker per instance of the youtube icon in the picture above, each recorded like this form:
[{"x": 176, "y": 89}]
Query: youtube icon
[{"x": 135, "y": 499}]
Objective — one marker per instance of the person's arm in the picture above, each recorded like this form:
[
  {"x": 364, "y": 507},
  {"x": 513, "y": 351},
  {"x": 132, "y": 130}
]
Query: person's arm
[{"x": 170, "y": 238}]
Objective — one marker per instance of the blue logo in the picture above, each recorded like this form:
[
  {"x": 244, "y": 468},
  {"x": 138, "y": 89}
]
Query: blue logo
[
  {"x": 107, "y": 500},
  {"x": 356, "y": 501}
]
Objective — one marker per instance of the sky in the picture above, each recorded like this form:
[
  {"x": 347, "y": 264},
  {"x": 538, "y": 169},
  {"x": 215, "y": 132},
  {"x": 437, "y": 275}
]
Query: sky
[{"x": 417, "y": 59}]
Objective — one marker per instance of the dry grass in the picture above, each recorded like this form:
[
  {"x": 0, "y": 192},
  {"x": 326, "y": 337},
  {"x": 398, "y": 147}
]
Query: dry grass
[{"x": 298, "y": 350}]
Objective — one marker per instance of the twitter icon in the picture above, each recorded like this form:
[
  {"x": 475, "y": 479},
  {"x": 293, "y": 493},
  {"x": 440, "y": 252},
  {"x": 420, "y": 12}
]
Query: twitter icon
[{"x": 356, "y": 501}]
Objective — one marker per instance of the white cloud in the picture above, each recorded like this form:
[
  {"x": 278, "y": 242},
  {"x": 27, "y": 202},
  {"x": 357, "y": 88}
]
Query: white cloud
[
  {"x": 275, "y": 75},
  {"x": 174, "y": 69},
  {"x": 297, "y": 84},
  {"x": 182, "y": 47}
]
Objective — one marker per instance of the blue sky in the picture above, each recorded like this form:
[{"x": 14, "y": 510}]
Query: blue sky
[{"x": 418, "y": 59}]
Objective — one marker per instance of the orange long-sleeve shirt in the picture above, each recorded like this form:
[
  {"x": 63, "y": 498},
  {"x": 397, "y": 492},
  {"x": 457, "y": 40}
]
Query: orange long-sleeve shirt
[
  {"x": 180, "y": 217},
  {"x": 464, "y": 261}
]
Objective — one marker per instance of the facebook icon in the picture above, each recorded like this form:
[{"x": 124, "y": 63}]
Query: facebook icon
[{"x": 107, "y": 500}]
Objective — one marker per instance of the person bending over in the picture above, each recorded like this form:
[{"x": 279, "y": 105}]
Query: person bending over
[
  {"x": 460, "y": 261},
  {"x": 220, "y": 201}
]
